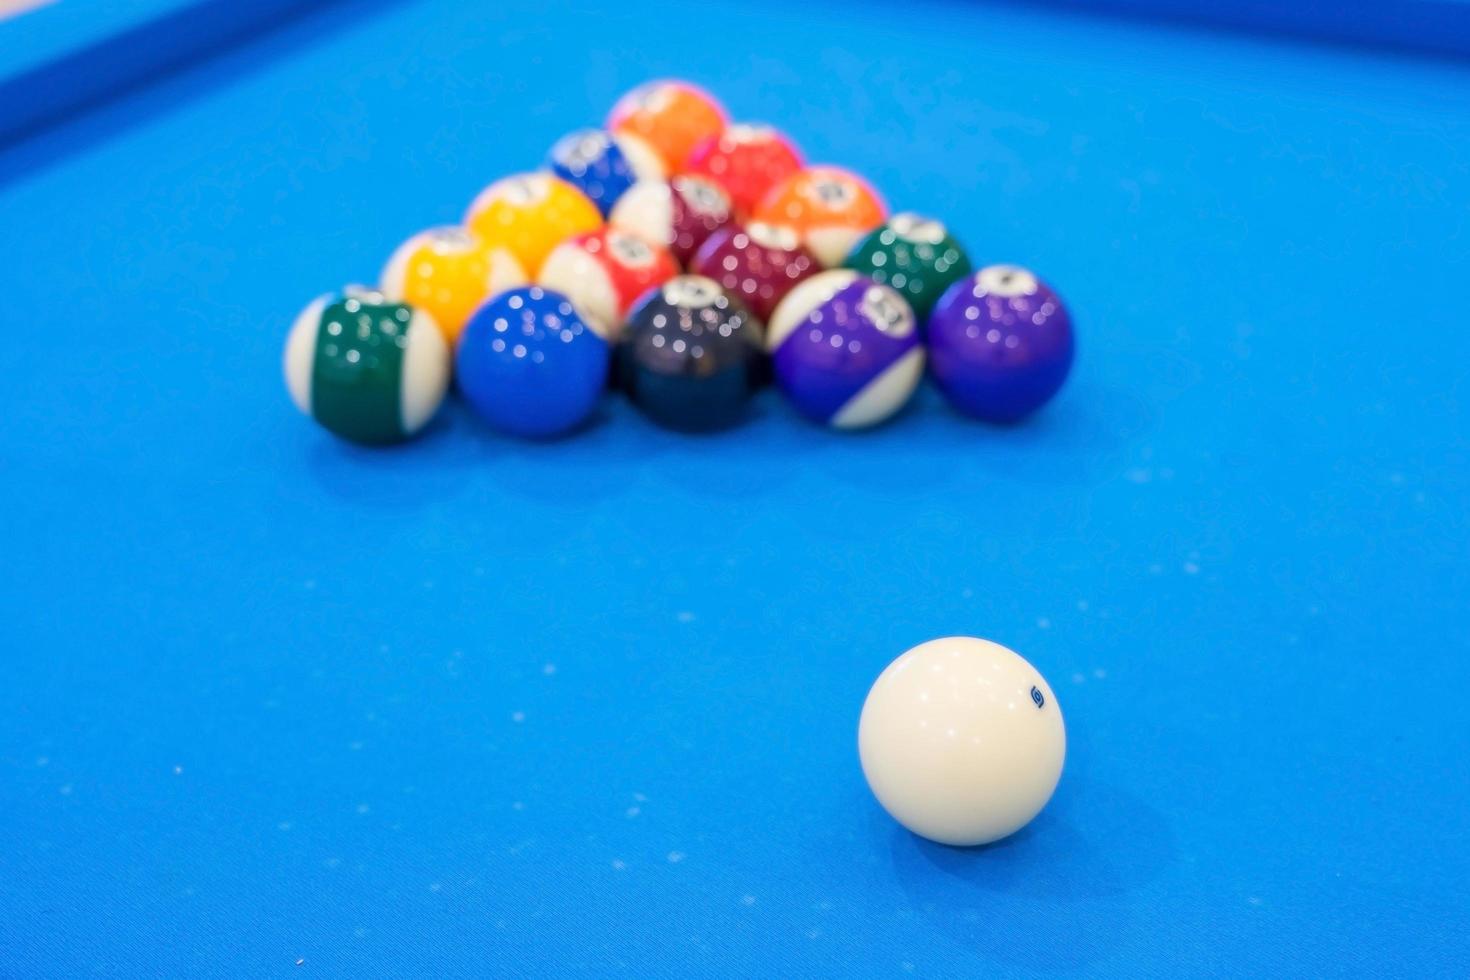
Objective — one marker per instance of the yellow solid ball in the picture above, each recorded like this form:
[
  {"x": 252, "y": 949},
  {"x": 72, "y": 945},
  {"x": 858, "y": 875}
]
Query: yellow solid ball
[
  {"x": 449, "y": 272},
  {"x": 531, "y": 214}
]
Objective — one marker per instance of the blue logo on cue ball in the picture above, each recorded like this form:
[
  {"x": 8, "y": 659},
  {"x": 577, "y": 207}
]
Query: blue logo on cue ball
[{"x": 1037, "y": 696}]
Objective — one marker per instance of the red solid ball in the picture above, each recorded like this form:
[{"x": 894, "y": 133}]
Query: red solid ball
[{"x": 747, "y": 161}]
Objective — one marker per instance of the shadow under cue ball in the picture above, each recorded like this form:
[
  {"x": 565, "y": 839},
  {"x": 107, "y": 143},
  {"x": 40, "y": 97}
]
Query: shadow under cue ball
[{"x": 962, "y": 741}]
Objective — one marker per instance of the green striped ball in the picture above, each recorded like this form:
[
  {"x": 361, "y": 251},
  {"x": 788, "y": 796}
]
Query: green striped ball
[{"x": 368, "y": 370}]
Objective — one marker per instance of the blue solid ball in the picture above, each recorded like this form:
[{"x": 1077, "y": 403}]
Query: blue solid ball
[
  {"x": 529, "y": 365},
  {"x": 603, "y": 166}
]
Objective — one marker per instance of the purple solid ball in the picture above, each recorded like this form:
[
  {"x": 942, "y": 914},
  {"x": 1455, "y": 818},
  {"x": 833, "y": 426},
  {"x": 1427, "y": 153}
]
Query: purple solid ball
[{"x": 1000, "y": 343}]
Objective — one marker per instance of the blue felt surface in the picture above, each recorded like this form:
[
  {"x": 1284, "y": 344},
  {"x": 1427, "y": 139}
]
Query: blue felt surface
[{"x": 477, "y": 707}]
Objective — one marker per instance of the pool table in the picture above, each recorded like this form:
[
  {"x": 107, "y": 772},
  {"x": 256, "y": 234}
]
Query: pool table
[{"x": 274, "y": 705}]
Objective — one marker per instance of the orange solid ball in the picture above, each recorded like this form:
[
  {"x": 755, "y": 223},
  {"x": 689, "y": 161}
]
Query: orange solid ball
[{"x": 669, "y": 115}]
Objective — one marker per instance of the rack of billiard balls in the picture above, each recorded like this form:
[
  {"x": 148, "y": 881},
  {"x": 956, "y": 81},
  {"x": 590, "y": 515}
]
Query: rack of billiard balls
[{"x": 689, "y": 261}]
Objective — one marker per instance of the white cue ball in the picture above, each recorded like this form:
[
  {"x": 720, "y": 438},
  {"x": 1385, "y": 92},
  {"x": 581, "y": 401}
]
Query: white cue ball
[{"x": 962, "y": 741}]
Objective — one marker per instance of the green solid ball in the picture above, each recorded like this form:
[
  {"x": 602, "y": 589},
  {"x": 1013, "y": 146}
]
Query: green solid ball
[
  {"x": 914, "y": 255},
  {"x": 367, "y": 369}
]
